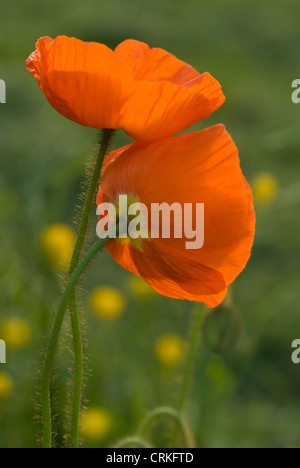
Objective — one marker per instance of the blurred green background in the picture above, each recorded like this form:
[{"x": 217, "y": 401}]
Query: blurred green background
[{"x": 246, "y": 398}]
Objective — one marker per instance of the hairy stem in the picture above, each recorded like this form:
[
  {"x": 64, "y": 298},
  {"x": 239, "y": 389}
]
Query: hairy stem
[
  {"x": 78, "y": 370},
  {"x": 75, "y": 320},
  {"x": 71, "y": 294},
  {"x": 46, "y": 377},
  {"x": 166, "y": 411},
  {"x": 133, "y": 441}
]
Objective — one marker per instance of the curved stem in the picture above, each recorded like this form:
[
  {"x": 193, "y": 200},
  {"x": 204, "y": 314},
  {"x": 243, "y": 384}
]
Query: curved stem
[
  {"x": 133, "y": 441},
  {"x": 75, "y": 321},
  {"x": 191, "y": 355},
  {"x": 46, "y": 377},
  {"x": 169, "y": 412}
]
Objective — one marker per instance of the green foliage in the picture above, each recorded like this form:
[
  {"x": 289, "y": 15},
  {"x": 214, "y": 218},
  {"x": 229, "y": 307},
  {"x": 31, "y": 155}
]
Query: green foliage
[{"x": 249, "y": 398}]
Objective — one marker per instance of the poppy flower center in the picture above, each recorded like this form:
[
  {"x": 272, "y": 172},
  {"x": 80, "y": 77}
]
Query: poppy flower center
[{"x": 132, "y": 219}]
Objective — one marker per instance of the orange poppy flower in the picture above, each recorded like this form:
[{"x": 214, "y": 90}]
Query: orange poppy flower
[
  {"x": 149, "y": 93},
  {"x": 201, "y": 167}
]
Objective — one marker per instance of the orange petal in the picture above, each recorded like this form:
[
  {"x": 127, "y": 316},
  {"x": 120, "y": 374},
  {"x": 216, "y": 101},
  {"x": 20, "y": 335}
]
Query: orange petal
[
  {"x": 175, "y": 95},
  {"x": 167, "y": 108},
  {"x": 80, "y": 80},
  {"x": 35, "y": 62},
  {"x": 147, "y": 92},
  {"x": 186, "y": 280},
  {"x": 156, "y": 64},
  {"x": 201, "y": 167}
]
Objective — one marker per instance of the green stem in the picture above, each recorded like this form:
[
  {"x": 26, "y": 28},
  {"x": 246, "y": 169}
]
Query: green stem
[
  {"x": 78, "y": 370},
  {"x": 133, "y": 441},
  {"x": 46, "y": 377},
  {"x": 171, "y": 413},
  {"x": 90, "y": 197},
  {"x": 75, "y": 321},
  {"x": 191, "y": 355}
]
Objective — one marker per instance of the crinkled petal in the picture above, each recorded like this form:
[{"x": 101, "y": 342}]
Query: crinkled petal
[
  {"x": 148, "y": 93},
  {"x": 201, "y": 167}
]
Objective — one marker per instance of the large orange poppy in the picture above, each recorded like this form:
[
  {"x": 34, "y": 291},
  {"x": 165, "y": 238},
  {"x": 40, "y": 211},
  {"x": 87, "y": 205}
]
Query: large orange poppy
[
  {"x": 201, "y": 167},
  {"x": 149, "y": 93}
]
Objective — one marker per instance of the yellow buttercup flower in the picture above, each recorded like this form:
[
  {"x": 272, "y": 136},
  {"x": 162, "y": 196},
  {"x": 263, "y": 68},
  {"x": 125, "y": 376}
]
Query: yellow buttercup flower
[
  {"x": 95, "y": 424},
  {"x": 6, "y": 385},
  {"x": 57, "y": 243},
  {"x": 107, "y": 303},
  {"x": 140, "y": 289},
  {"x": 265, "y": 187},
  {"x": 16, "y": 332},
  {"x": 169, "y": 350}
]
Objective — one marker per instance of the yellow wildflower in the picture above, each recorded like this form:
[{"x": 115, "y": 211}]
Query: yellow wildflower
[
  {"x": 169, "y": 350},
  {"x": 6, "y": 385},
  {"x": 57, "y": 243},
  {"x": 265, "y": 188},
  {"x": 140, "y": 289},
  {"x": 95, "y": 424},
  {"x": 16, "y": 332},
  {"x": 107, "y": 303}
]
